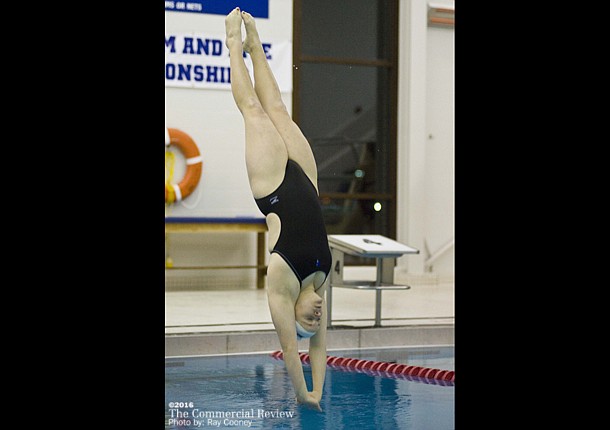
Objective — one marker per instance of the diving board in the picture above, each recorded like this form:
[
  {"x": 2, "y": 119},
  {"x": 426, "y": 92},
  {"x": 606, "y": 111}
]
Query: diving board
[{"x": 383, "y": 249}]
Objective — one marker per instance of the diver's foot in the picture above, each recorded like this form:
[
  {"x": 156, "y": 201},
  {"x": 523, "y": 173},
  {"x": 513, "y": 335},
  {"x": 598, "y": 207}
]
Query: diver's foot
[
  {"x": 233, "y": 27},
  {"x": 252, "y": 39}
]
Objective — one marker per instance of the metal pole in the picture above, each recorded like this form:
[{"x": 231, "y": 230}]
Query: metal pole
[
  {"x": 378, "y": 293},
  {"x": 336, "y": 278}
]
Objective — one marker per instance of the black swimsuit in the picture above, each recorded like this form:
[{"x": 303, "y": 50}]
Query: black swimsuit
[{"x": 303, "y": 242}]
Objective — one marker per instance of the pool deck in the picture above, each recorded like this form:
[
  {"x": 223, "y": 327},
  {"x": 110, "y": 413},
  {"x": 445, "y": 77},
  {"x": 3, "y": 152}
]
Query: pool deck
[{"x": 237, "y": 320}]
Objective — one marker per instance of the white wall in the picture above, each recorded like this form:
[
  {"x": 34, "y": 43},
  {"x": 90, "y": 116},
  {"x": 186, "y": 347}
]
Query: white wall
[
  {"x": 439, "y": 168},
  {"x": 425, "y": 215}
]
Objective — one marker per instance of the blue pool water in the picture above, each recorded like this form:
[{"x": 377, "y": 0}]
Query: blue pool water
[{"x": 254, "y": 391}]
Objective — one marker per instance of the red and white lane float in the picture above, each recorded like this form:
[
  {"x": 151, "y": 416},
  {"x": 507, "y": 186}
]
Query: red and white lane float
[{"x": 384, "y": 369}]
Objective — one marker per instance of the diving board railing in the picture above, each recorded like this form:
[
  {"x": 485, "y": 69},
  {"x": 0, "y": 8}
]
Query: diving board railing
[{"x": 436, "y": 255}]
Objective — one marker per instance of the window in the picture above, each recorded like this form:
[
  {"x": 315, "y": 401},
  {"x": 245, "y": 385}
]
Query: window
[{"x": 345, "y": 101}]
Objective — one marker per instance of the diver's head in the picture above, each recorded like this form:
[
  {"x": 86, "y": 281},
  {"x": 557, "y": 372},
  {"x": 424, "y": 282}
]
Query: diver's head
[{"x": 308, "y": 313}]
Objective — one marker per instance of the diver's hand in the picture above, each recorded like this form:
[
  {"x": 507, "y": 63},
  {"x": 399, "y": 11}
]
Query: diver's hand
[{"x": 311, "y": 400}]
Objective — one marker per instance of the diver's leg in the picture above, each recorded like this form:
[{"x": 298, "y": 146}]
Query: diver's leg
[
  {"x": 270, "y": 98},
  {"x": 266, "y": 153}
]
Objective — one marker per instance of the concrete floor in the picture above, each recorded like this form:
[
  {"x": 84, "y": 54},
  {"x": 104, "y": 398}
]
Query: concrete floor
[{"x": 237, "y": 319}]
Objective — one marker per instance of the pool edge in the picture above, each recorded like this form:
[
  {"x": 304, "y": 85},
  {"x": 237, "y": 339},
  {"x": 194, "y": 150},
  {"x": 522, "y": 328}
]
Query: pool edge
[{"x": 197, "y": 344}]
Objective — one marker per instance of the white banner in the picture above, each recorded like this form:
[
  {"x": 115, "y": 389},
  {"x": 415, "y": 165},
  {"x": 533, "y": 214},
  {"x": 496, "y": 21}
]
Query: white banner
[{"x": 196, "y": 60}]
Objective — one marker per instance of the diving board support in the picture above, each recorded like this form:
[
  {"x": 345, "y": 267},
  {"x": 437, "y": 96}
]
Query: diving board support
[{"x": 384, "y": 250}]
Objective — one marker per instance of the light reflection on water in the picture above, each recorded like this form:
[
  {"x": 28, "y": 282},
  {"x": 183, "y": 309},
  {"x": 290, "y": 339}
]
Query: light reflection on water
[{"x": 254, "y": 391}]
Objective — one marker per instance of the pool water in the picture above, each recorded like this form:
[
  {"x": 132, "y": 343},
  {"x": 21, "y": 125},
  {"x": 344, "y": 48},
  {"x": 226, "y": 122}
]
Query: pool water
[{"x": 254, "y": 391}]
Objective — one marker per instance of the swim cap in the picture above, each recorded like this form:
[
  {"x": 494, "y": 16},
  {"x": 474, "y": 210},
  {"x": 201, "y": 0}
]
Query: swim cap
[{"x": 302, "y": 333}]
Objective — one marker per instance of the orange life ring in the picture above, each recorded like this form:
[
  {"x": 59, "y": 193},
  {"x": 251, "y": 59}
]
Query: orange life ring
[{"x": 194, "y": 164}]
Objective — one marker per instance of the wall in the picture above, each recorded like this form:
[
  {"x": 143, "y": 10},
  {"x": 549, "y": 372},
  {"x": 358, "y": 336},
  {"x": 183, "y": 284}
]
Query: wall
[
  {"x": 439, "y": 167},
  {"x": 425, "y": 189}
]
